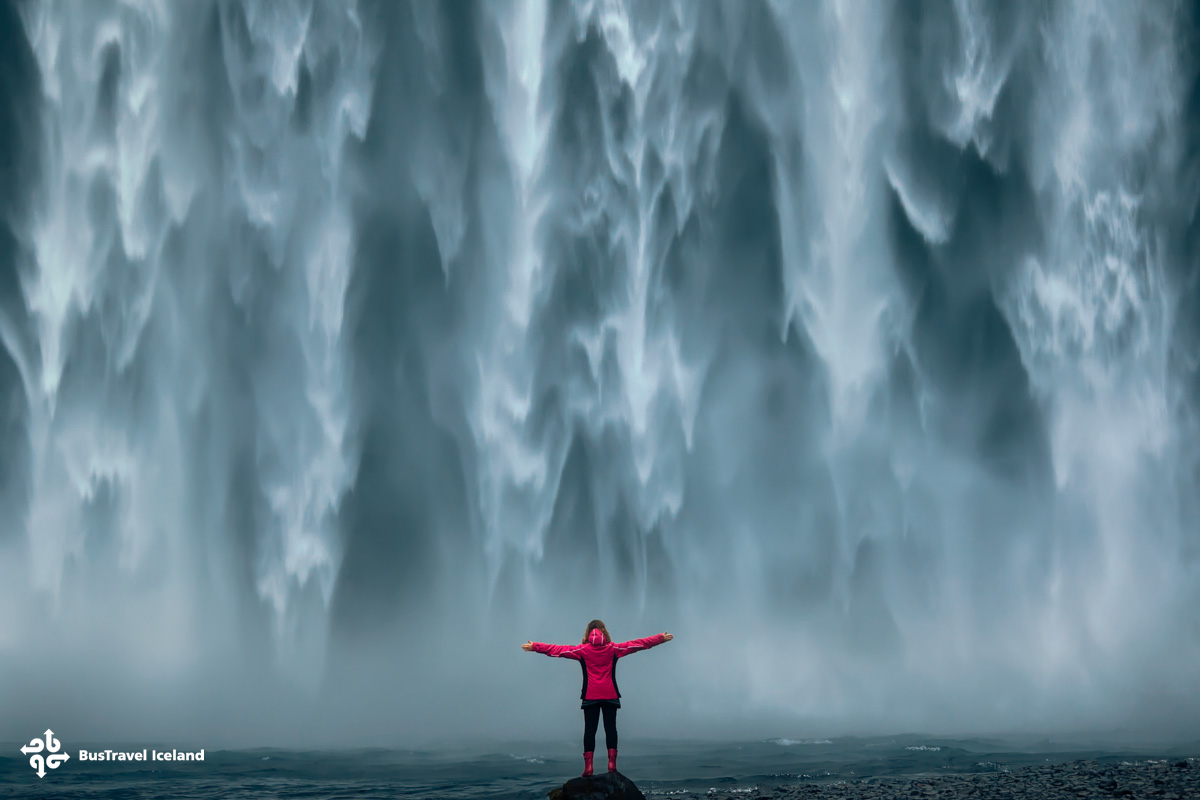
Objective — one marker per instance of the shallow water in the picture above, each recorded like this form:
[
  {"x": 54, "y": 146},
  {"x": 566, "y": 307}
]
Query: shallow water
[{"x": 529, "y": 770}]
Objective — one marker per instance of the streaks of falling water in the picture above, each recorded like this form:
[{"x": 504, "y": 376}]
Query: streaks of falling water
[
  {"x": 131, "y": 236},
  {"x": 518, "y": 472},
  {"x": 858, "y": 335}
]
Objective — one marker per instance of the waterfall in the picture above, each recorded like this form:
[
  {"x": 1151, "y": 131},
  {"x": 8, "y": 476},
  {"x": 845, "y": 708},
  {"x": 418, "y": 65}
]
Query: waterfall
[{"x": 347, "y": 345}]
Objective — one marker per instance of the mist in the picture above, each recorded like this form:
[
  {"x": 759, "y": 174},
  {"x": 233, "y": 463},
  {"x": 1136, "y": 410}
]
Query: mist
[{"x": 346, "y": 346}]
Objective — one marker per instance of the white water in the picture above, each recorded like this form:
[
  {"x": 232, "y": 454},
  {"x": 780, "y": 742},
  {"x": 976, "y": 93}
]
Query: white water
[{"x": 355, "y": 345}]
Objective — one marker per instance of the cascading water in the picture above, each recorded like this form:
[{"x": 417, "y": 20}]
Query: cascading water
[{"x": 348, "y": 345}]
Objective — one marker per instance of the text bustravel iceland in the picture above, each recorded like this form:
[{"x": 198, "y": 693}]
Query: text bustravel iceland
[
  {"x": 141, "y": 755},
  {"x": 46, "y": 752}
]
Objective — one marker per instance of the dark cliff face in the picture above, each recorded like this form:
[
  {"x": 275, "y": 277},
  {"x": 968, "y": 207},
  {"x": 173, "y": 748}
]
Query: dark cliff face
[{"x": 341, "y": 336}]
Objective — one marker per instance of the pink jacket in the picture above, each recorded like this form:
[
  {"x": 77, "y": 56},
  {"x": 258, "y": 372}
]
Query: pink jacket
[{"x": 599, "y": 661}]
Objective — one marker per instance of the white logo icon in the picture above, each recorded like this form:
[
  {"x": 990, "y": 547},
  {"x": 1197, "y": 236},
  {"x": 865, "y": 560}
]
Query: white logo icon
[{"x": 52, "y": 759}]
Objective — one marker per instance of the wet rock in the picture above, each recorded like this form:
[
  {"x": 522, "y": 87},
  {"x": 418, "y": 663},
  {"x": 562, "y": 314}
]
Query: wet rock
[{"x": 604, "y": 786}]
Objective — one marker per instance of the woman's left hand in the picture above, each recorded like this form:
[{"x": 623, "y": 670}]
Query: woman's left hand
[
  {"x": 667, "y": 637},
  {"x": 528, "y": 646}
]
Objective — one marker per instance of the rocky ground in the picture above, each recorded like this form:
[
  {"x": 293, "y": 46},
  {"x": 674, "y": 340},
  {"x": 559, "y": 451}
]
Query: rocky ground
[{"x": 1159, "y": 779}]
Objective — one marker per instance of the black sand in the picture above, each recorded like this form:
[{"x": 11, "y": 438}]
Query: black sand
[{"x": 1162, "y": 779}]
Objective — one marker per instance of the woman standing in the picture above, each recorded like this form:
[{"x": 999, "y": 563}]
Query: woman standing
[{"x": 597, "y": 656}]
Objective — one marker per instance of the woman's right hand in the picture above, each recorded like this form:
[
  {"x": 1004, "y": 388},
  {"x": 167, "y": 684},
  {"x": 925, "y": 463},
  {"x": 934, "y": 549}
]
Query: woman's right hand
[
  {"x": 667, "y": 637},
  {"x": 528, "y": 646}
]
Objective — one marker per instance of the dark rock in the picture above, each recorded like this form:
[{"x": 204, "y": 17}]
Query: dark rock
[{"x": 603, "y": 786}]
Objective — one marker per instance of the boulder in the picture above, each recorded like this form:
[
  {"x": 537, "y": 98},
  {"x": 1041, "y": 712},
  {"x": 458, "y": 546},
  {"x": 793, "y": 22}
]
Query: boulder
[{"x": 602, "y": 786}]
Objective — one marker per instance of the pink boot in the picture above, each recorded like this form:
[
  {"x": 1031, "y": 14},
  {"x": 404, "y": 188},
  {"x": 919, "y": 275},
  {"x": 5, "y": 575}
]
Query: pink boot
[
  {"x": 587, "y": 763},
  {"x": 612, "y": 759}
]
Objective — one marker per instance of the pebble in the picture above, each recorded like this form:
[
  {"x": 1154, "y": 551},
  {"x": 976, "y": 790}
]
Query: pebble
[{"x": 1153, "y": 779}]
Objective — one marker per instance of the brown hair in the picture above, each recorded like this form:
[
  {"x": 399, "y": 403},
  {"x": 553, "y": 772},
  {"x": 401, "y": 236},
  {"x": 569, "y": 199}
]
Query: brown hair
[{"x": 592, "y": 626}]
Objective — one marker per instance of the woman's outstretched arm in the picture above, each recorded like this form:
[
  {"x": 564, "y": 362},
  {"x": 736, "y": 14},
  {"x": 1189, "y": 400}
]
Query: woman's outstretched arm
[
  {"x": 554, "y": 650},
  {"x": 632, "y": 646}
]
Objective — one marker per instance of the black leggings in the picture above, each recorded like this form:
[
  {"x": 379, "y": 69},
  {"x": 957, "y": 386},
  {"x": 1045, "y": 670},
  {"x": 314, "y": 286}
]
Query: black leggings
[{"x": 591, "y": 717}]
